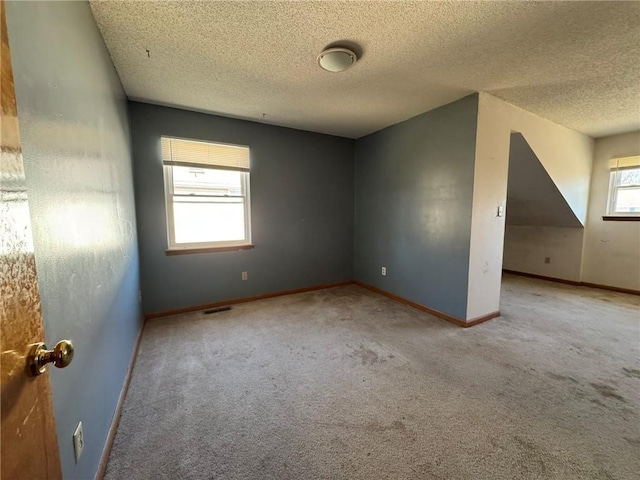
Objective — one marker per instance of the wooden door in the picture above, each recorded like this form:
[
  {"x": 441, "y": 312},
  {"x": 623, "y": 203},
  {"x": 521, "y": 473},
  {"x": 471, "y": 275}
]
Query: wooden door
[{"x": 29, "y": 448}]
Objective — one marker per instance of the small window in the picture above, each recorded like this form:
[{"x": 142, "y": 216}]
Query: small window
[
  {"x": 206, "y": 193},
  {"x": 624, "y": 186}
]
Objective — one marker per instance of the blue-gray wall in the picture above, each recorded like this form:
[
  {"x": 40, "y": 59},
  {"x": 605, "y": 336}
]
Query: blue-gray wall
[
  {"x": 75, "y": 138},
  {"x": 301, "y": 209},
  {"x": 414, "y": 189}
]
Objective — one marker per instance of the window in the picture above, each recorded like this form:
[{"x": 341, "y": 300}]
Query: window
[
  {"x": 624, "y": 186},
  {"x": 206, "y": 193}
]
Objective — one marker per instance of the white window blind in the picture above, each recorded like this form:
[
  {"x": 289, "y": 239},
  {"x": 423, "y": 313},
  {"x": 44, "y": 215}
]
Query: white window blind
[
  {"x": 191, "y": 153},
  {"x": 624, "y": 186},
  {"x": 624, "y": 162}
]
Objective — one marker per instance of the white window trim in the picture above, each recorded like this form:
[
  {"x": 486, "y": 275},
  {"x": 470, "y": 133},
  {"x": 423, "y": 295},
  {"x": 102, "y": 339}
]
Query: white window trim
[{"x": 172, "y": 246}]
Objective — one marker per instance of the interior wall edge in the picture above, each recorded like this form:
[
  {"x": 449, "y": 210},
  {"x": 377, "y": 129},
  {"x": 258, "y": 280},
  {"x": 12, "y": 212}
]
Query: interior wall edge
[
  {"x": 77, "y": 153},
  {"x": 413, "y": 198}
]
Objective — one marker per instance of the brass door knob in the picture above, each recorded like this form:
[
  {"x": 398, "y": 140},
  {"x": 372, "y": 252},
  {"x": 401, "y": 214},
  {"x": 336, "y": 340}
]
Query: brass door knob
[{"x": 39, "y": 356}]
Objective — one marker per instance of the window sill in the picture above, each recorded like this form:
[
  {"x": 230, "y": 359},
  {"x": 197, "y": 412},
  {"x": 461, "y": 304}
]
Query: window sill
[
  {"x": 621, "y": 218},
  {"x": 187, "y": 251}
]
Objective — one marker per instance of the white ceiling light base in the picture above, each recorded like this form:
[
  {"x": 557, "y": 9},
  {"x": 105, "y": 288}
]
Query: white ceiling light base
[{"x": 336, "y": 59}]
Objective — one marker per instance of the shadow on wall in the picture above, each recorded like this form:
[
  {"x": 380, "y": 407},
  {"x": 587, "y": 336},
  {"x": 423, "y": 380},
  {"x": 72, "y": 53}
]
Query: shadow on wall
[{"x": 543, "y": 236}]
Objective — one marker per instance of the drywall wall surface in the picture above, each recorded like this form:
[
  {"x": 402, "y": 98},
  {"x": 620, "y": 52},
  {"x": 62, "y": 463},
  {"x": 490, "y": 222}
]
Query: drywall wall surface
[
  {"x": 611, "y": 249},
  {"x": 75, "y": 138},
  {"x": 301, "y": 211},
  {"x": 528, "y": 248},
  {"x": 414, "y": 183},
  {"x": 532, "y": 196},
  {"x": 565, "y": 154}
]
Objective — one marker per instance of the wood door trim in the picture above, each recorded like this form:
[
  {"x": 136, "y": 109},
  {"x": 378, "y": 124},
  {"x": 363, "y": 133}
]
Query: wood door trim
[{"x": 28, "y": 431}]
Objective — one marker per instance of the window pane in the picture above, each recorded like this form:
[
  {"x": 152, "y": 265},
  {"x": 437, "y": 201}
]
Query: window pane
[
  {"x": 206, "y": 221},
  {"x": 628, "y": 200},
  {"x": 206, "y": 181},
  {"x": 629, "y": 177}
]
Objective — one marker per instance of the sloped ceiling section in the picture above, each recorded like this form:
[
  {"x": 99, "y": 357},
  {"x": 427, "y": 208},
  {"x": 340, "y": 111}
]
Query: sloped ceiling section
[{"x": 532, "y": 197}]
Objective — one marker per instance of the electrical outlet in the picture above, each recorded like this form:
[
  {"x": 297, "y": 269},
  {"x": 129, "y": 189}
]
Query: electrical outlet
[
  {"x": 547, "y": 259},
  {"x": 78, "y": 441},
  {"x": 245, "y": 275},
  {"x": 500, "y": 212},
  {"x": 384, "y": 271}
]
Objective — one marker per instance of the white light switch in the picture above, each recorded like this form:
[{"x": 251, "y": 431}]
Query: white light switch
[{"x": 500, "y": 211}]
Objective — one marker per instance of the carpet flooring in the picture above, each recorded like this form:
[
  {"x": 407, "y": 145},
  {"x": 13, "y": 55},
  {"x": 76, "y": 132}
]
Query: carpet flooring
[{"x": 347, "y": 384}]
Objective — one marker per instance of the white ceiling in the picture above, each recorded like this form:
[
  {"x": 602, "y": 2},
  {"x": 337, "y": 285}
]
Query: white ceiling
[{"x": 576, "y": 63}]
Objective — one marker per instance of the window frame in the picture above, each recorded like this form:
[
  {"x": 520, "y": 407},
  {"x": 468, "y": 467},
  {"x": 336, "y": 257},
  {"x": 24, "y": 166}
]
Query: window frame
[
  {"x": 614, "y": 187},
  {"x": 194, "y": 247}
]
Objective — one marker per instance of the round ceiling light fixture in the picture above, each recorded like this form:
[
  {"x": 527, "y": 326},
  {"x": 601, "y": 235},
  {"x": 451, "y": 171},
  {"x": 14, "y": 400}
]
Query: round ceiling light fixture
[{"x": 336, "y": 59}]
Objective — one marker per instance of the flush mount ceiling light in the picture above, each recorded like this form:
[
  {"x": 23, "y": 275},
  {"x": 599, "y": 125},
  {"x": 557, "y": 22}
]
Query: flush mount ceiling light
[{"x": 336, "y": 59}]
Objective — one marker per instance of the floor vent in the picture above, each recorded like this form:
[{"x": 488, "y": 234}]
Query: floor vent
[{"x": 216, "y": 310}]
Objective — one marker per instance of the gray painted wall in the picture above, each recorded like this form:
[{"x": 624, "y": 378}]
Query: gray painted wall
[
  {"x": 414, "y": 187},
  {"x": 75, "y": 139},
  {"x": 301, "y": 206}
]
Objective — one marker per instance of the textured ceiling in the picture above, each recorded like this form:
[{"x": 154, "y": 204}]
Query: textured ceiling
[
  {"x": 576, "y": 63},
  {"x": 532, "y": 197}
]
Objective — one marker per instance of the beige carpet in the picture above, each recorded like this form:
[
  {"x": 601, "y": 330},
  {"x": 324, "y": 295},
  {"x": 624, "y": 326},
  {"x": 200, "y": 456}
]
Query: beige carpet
[{"x": 347, "y": 384}]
